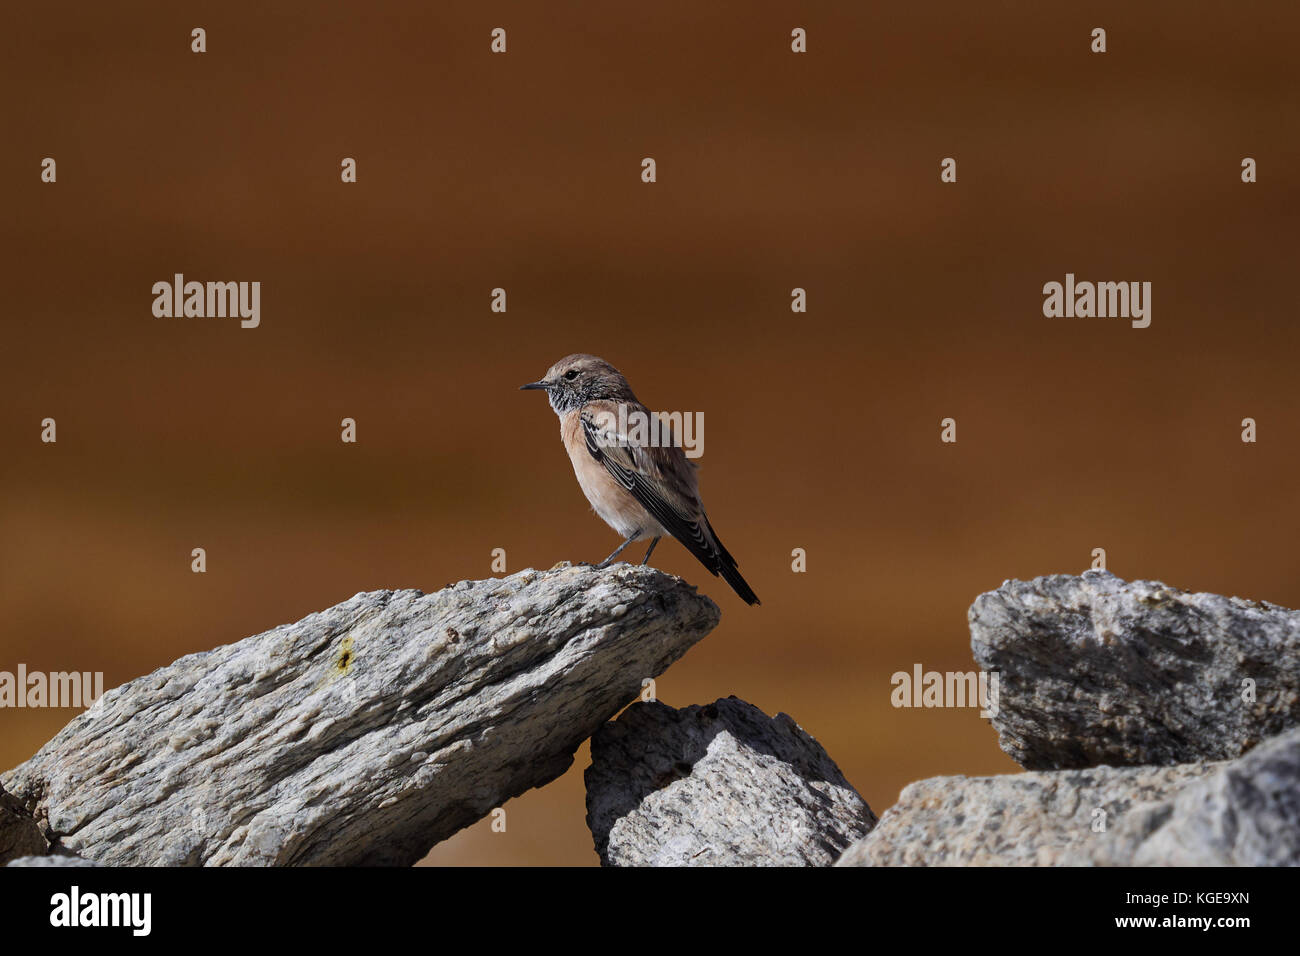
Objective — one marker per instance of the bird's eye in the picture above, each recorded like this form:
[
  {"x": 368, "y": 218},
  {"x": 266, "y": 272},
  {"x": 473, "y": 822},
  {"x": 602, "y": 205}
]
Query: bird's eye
[{"x": 571, "y": 374}]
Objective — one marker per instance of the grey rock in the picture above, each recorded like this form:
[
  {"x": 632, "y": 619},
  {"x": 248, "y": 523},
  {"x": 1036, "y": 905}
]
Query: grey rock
[
  {"x": 1025, "y": 819},
  {"x": 362, "y": 734},
  {"x": 718, "y": 785},
  {"x": 20, "y": 835},
  {"x": 53, "y": 859},
  {"x": 1246, "y": 814},
  {"x": 1094, "y": 670}
]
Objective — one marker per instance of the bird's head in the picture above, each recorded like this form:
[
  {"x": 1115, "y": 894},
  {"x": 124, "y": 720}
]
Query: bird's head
[{"x": 575, "y": 380}]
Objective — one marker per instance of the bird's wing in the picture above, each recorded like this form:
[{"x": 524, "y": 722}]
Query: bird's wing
[
  {"x": 660, "y": 477},
  {"x": 663, "y": 480}
]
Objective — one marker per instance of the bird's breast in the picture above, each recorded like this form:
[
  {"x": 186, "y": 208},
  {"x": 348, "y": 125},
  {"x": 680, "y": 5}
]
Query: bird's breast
[{"x": 608, "y": 498}]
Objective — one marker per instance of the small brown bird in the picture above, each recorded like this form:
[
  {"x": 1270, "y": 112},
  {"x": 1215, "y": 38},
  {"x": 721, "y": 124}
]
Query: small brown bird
[{"x": 641, "y": 489}]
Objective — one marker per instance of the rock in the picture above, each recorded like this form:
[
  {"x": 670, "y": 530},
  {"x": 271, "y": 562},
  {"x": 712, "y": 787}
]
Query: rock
[
  {"x": 1094, "y": 670},
  {"x": 1025, "y": 819},
  {"x": 720, "y": 785},
  {"x": 53, "y": 859},
  {"x": 362, "y": 734},
  {"x": 20, "y": 835},
  {"x": 1246, "y": 814}
]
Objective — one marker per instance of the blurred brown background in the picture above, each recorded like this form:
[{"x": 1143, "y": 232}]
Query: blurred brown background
[{"x": 775, "y": 170}]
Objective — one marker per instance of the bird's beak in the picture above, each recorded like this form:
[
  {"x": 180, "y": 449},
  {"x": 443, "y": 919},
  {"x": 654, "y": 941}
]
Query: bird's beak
[{"x": 541, "y": 385}]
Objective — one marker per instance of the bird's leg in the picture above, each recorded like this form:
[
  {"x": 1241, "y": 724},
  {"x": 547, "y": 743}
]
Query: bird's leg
[
  {"x": 619, "y": 550},
  {"x": 646, "y": 559}
]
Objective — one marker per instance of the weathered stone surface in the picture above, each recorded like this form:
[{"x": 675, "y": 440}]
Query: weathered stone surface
[
  {"x": 19, "y": 834},
  {"x": 719, "y": 785},
  {"x": 365, "y": 733},
  {"x": 1246, "y": 814},
  {"x": 53, "y": 859},
  {"x": 1098, "y": 671},
  {"x": 1025, "y": 819}
]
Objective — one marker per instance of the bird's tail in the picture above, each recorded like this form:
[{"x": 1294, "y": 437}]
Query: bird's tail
[{"x": 725, "y": 565}]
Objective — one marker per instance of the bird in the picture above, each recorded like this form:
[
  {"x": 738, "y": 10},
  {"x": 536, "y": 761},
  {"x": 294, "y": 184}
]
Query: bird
[{"x": 641, "y": 489}]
